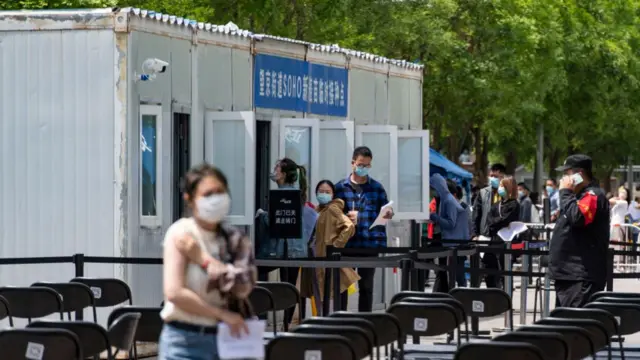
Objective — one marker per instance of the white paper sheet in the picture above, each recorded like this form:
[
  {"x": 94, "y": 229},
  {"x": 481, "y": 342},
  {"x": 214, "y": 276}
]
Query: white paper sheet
[
  {"x": 380, "y": 220},
  {"x": 508, "y": 233},
  {"x": 247, "y": 346}
]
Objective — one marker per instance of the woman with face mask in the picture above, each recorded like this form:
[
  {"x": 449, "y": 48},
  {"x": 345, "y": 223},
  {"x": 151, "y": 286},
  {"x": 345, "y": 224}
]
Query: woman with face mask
[
  {"x": 202, "y": 282},
  {"x": 502, "y": 213},
  {"x": 289, "y": 175},
  {"x": 333, "y": 228}
]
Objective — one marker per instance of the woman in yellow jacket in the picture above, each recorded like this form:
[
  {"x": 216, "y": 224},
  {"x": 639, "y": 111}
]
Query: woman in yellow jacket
[{"x": 334, "y": 228}]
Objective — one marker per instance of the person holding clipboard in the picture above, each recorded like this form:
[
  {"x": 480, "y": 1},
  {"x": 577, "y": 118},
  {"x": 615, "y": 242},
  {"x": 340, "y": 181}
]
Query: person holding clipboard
[{"x": 364, "y": 197}]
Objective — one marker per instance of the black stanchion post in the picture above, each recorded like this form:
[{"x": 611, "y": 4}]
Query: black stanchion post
[
  {"x": 405, "y": 267},
  {"x": 78, "y": 262},
  {"x": 474, "y": 280},
  {"x": 416, "y": 240},
  {"x": 336, "y": 284},
  {"x": 285, "y": 256},
  {"x": 610, "y": 256},
  {"x": 414, "y": 277}
]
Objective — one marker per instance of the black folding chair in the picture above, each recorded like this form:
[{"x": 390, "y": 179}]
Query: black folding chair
[
  {"x": 600, "y": 337},
  {"x": 499, "y": 351},
  {"x": 310, "y": 347},
  {"x": 627, "y": 316},
  {"x": 43, "y": 344},
  {"x": 366, "y": 325},
  {"x": 606, "y": 318},
  {"x": 5, "y": 310},
  {"x": 107, "y": 292},
  {"x": 93, "y": 337},
  {"x": 423, "y": 319},
  {"x": 405, "y": 294},
  {"x": 32, "y": 302},
  {"x": 483, "y": 303},
  {"x": 621, "y": 295},
  {"x": 361, "y": 341},
  {"x": 122, "y": 332},
  {"x": 285, "y": 296},
  {"x": 149, "y": 326},
  {"x": 462, "y": 316},
  {"x": 75, "y": 297},
  {"x": 577, "y": 338},
  {"x": 553, "y": 344},
  {"x": 262, "y": 302},
  {"x": 386, "y": 328}
]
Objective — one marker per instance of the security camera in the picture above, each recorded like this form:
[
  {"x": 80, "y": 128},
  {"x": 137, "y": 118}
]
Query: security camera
[
  {"x": 150, "y": 68},
  {"x": 153, "y": 66}
]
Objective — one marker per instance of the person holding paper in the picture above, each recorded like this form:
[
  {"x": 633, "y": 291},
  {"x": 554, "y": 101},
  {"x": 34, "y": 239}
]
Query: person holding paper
[
  {"x": 454, "y": 224},
  {"x": 502, "y": 213},
  {"x": 487, "y": 197},
  {"x": 202, "y": 286},
  {"x": 364, "y": 197}
]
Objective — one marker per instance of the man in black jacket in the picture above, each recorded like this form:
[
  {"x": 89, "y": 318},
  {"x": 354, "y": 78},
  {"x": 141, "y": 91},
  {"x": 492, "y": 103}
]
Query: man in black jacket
[{"x": 578, "y": 248}]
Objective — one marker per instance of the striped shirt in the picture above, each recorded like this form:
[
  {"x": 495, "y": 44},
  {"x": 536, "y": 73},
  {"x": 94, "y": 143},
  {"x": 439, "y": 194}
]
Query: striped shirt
[{"x": 367, "y": 199}]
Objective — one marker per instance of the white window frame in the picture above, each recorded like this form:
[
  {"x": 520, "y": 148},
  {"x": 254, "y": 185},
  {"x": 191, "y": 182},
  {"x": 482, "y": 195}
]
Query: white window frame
[
  {"x": 248, "y": 118},
  {"x": 392, "y": 131},
  {"x": 314, "y": 124},
  {"x": 349, "y": 128},
  {"x": 424, "y": 215},
  {"x": 156, "y": 220}
]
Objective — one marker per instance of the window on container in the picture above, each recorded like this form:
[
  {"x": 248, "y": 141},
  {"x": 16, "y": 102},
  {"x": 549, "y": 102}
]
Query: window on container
[
  {"x": 150, "y": 174},
  {"x": 413, "y": 175},
  {"x": 383, "y": 142},
  {"x": 299, "y": 141},
  {"x": 336, "y": 147}
]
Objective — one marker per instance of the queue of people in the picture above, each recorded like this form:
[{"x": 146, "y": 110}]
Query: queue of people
[{"x": 209, "y": 267}]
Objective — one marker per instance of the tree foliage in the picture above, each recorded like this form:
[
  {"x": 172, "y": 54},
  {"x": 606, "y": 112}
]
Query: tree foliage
[{"x": 494, "y": 69}]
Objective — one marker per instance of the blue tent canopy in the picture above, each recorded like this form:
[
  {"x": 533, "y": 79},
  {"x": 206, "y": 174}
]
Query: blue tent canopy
[{"x": 447, "y": 168}]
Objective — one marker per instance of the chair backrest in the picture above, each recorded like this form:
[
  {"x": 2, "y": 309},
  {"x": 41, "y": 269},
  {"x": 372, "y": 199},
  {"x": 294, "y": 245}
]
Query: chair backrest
[
  {"x": 366, "y": 325},
  {"x": 483, "y": 302},
  {"x": 75, "y": 296},
  {"x": 93, "y": 337},
  {"x": 5, "y": 310},
  {"x": 624, "y": 295},
  {"x": 496, "y": 350},
  {"x": 386, "y": 326},
  {"x": 449, "y": 301},
  {"x": 627, "y": 315},
  {"x": 285, "y": 295},
  {"x": 423, "y": 319},
  {"x": 619, "y": 300},
  {"x": 107, "y": 292},
  {"x": 261, "y": 300},
  {"x": 578, "y": 339},
  {"x": 122, "y": 331},
  {"x": 600, "y": 337},
  {"x": 606, "y": 318},
  {"x": 405, "y": 294},
  {"x": 43, "y": 344},
  {"x": 361, "y": 342},
  {"x": 552, "y": 344},
  {"x": 32, "y": 302},
  {"x": 310, "y": 347},
  {"x": 150, "y": 323}
]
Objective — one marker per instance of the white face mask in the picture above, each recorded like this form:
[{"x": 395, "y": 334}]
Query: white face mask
[{"x": 213, "y": 208}]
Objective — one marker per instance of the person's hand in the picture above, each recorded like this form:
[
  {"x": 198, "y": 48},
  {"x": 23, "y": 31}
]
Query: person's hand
[
  {"x": 566, "y": 182},
  {"x": 259, "y": 212},
  {"x": 433, "y": 217},
  {"x": 216, "y": 269},
  {"x": 235, "y": 322},
  {"x": 475, "y": 238},
  {"x": 353, "y": 216},
  {"x": 388, "y": 215}
]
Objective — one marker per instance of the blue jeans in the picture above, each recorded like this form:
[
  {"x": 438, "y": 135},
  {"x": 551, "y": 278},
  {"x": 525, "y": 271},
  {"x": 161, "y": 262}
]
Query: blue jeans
[{"x": 178, "y": 344}]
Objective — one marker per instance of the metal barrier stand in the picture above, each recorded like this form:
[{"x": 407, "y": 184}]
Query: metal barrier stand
[{"x": 524, "y": 285}]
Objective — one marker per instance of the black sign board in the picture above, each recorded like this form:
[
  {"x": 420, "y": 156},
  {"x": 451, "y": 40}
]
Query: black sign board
[{"x": 285, "y": 214}]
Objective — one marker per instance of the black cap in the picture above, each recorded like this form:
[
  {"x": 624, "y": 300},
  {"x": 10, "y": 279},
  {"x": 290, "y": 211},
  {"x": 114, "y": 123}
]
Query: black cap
[{"x": 577, "y": 161}]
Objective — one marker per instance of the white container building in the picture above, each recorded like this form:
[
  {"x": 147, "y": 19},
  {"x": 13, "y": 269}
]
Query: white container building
[{"x": 91, "y": 158}]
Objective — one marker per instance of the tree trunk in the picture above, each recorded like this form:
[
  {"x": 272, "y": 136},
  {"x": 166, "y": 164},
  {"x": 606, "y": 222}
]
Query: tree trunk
[
  {"x": 511, "y": 162},
  {"x": 554, "y": 159},
  {"x": 481, "y": 164}
]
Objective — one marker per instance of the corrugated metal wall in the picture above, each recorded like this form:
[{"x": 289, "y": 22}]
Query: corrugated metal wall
[{"x": 56, "y": 162}]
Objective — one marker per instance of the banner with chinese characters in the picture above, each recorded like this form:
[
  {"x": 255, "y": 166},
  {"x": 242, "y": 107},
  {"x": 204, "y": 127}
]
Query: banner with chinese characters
[{"x": 296, "y": 85}]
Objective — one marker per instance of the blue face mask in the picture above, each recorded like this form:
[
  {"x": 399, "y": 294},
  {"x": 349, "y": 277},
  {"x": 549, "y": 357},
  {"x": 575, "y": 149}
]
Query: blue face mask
[
  {"x": 521, "y": 194},
  {"x": 502, "y": 192},
  {"x": 550, "y": 190},
  {"x": 323, "y": 198},
  {"x": 494, "y": 182},
  {"x": 362, "y": 171}
]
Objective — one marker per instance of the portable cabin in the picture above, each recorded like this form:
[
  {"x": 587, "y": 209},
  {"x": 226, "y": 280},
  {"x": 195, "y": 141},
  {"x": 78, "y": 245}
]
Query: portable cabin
[{"x": 93, "y": 152}]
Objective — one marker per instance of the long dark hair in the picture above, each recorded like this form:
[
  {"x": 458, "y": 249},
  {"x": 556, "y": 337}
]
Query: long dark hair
[{"x": 291, "y": 171}]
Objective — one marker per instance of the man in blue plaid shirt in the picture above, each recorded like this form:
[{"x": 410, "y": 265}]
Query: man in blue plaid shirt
[{"x": 363, "y": 197}]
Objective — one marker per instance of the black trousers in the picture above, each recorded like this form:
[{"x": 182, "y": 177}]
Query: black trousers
[
  {"x": 575, "y": 293},
  {"x": 491, "y": 261},
  {"x": 290, "y": 275}
]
